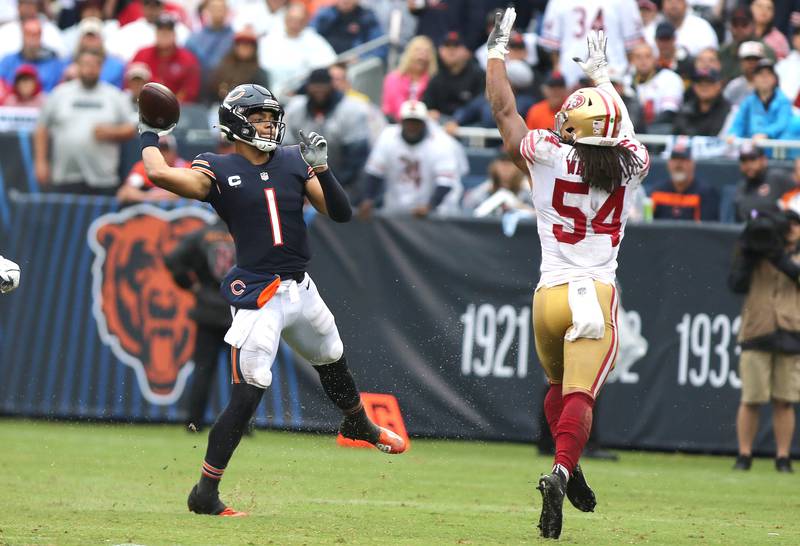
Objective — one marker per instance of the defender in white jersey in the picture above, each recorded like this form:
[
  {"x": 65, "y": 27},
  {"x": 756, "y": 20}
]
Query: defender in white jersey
[
  {"x": 566, "y": 26},
  {"x": 583, "y": 176}
]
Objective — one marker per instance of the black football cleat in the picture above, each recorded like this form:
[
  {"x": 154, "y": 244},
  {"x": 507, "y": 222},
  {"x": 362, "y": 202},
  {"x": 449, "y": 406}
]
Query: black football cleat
[
  {"x": 783, "y": 464},
  {"x": 579, "y": 493},
  {"x": 553, "y": 488},
  {"x": 743, "y": 462},
  {"x": 210, "y": 505}
]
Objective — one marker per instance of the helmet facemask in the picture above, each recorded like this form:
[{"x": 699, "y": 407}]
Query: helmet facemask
[{"x": 245, "y": 131}]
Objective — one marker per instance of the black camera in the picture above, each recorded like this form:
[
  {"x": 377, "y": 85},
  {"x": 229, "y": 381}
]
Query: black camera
[{"x": 765, "y": 234}]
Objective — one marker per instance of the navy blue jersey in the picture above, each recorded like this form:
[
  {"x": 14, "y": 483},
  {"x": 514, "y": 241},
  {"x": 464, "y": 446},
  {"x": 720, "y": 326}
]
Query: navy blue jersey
[{"x": 263, "y": 207}]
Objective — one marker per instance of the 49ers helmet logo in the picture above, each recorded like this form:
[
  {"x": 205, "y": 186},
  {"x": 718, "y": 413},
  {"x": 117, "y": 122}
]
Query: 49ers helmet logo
[
  {"x": 141, "y": 313},
  {"x": 576, "y": 100}
]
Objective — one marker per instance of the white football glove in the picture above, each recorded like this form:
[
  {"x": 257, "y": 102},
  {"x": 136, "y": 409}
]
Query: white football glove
[
  {"x": 501, "y": 33},
  {"x": 314, "y": 149},
  {"x": 596, "y": 65},
  {"x": 9, "y": 275},
  {"x": 145, "y": 128}
]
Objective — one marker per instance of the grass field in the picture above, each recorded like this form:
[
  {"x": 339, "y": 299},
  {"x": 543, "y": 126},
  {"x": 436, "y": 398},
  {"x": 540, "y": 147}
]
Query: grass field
[{"x": 112, "y": 484}]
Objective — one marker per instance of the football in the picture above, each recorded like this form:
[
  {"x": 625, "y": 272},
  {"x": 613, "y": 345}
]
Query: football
[{"x": 158, "y": 106}]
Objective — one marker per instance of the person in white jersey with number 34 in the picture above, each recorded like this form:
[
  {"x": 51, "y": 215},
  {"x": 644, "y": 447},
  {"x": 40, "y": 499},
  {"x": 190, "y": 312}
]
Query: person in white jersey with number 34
[{"x": 583, "y": 174}]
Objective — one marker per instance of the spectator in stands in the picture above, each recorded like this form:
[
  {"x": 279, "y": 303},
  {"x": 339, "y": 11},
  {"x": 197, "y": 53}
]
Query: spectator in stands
[
  {"x": 261, "y": 16},
  {"x": 692, "y": 32},
  {"x": 47, "y": 64},
  {"x": 137, "y": 187},
  {"x": 86, "y": 119},
  {"x": 684, "y": 197},
  {"x": 11, "y": 33},
  {"x": 750, "y": 54},
  {"x": 214, "y": 39},
  {"x": 761, "y": 187},
  {"x": 458, "y": 81},
  {"x": 478, "y": 112},
  {"x": 763, "y": 18},
  {"x": 435, "y": 18},
  {"x": 408, "y": 82},
  {"x": 383, "y": 11},
  {"x": 239, "y": 66},
  {"x": 660, "y": 90},
  {"x": 141, "y": 33},
  {"x": 708, "y": 59},
  {"x": 341, "y": 83},
  {"x": 347, "y": 24},
  {"x": 91, "y": 37},
  {"x": 171, "y": 65},
  {"x": 541, "y": 114},
  {"x": 742, "y": 29},
  {"x": 414, "y": 167},
  {"x": 791, "y": 199},
  {"x": 788, "y": 70},
  {"x": 766, "y": 112},
  {"x": 26, "y": 90},
  {"x": 136, "y": 75},
  {"x": 289, "y": 53},
  {"x": 343, "y": 120},
  {"x": 768, "y": 272},
  {"x": 88, "y": 9},
  {"x": 507, "y": 188},
  {"x": 706, "y": 110},
  {"x": 670, "y": 55}
]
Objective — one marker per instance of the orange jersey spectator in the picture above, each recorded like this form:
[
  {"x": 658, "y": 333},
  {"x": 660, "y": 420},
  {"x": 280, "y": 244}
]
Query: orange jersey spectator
[{"x": 541, "y": 114}]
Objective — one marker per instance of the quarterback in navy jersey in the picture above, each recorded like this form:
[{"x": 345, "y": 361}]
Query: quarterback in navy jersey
[{"x": 259, "y": 192}]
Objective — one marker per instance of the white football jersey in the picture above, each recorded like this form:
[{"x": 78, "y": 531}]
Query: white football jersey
[
  {"x": 580, "y": 228},
  {"x": 567, "y": 24},
  {"x": 412, "y": 172}
]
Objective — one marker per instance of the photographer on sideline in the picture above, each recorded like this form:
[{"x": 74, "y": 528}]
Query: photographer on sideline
[{"x": 767, "y": 269}]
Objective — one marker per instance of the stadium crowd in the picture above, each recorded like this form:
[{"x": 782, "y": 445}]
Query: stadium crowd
[{"x": 702, "y": 68}]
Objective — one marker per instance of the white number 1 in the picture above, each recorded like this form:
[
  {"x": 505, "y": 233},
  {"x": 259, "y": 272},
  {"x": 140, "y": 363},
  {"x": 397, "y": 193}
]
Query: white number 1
[{"x": 274, "y": 217}]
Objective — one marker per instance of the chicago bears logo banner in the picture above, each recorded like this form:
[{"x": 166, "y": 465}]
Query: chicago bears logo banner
[{"x": 141, "y": 314}]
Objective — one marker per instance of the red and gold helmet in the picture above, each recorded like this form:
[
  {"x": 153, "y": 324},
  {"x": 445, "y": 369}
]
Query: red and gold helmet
[{"x": 589, "y": 116}]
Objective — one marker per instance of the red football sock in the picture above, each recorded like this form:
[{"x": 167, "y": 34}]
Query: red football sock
[
  {"x": 573, "y": 429},
  {"x": 553, "y": 405}
]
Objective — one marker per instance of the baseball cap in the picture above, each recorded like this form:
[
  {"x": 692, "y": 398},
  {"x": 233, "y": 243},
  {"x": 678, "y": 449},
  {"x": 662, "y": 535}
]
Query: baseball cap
[
  {"x": 665, "y": 31},
  {"x": 555, "y": 79},
  {"x": 453, "y": 38},
  {"x": 706, "y": 75},
  {"x": 765, "y": 64},
  {"x": 648, "y": 5},
  {"x": 748, "y": 151},
  {"x": 165, "y": 20},
  {"x": 516, "y": 41},
  {"x": 138, "y": 70},
  {"x": 751, "y": 49},
  {"x": 741, "y": 16},
  {"x": 26, "y": 70},
  {"x": 320, "y": 75},
  {"x": 681, "y": 151},
  {"x": 246, "y": 35},
  {"x": 90, "y": 25},
  {"x": 413, "y": 109}
]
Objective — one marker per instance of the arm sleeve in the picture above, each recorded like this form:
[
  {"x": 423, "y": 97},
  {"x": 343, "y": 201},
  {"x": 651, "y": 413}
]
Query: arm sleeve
[
  {"x": 336, "y": 200},
  {"x": 788, "y": 267}
]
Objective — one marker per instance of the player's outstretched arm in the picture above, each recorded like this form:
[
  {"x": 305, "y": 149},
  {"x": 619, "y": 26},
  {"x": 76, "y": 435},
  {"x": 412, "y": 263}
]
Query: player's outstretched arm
[
  {"x": 323, "y": 190},
  {"x": 184, "y": 182},
  {"x": 596, "y": 68},
  {"x": 498, "y": 90}
]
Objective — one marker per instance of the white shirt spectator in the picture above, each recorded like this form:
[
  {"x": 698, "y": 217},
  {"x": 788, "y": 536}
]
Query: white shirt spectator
[
  {"x": 695, "y": 34},
  {"x": 661, "y": 93},
  {"x": 258, "y": 17},
  {"x": 126, "y": 41},
  {"x": 287, "y": 60},
  {"x": 411, "y": 173},
  {"x": 566, "y": 25},
  {"x": 11, "y": 38},
  {"x": 788, "y": 70}
]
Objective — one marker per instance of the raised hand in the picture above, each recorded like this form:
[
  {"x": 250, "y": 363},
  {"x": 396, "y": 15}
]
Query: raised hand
[
  {"x": 314, "y": 149},
  {"x": 596, "y": 65},
  {"x": 501, "y": 33}
]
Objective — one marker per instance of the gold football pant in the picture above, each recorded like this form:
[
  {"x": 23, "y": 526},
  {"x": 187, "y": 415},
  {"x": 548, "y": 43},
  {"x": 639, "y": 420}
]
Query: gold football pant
[{"x": 581, "y": 365}]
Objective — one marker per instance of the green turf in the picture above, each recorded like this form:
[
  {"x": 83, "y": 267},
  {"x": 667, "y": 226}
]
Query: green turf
[{"x": 105, "y": 484}]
